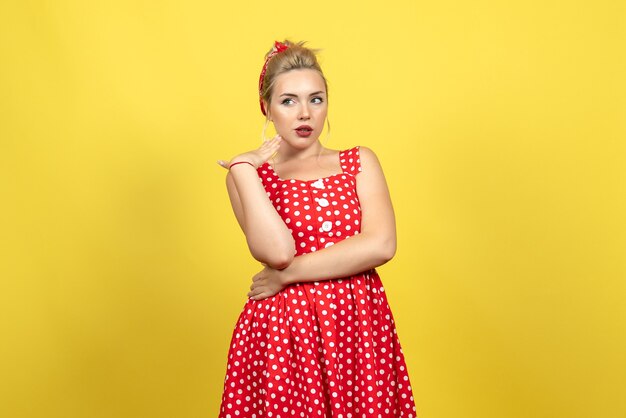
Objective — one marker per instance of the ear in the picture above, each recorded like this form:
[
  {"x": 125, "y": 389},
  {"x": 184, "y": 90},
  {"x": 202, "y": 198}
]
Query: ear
[
  {"x": 266, "y": 106},
  {"x": 269, "y": 114}
]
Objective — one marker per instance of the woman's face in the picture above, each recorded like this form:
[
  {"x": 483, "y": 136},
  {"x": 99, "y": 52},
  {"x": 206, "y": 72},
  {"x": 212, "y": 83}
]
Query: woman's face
[{"x": 299, "y": 100}]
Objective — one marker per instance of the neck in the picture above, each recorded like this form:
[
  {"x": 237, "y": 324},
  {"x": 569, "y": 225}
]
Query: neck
[{"x": 290, "y": 153}]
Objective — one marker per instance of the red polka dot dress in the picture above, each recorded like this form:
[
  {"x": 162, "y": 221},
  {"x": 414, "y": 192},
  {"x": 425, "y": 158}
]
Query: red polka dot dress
[{"x": 327, "y": 348}]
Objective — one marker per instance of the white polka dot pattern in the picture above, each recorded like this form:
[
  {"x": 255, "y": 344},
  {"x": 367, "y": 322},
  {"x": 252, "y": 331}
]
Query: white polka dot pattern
[{"x": 318, "y": 349}]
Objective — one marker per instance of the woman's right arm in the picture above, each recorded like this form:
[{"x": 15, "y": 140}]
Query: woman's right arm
[{"x": 268, "y": 237}]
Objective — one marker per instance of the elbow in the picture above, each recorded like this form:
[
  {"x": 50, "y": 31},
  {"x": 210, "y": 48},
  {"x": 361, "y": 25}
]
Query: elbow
[
  {"x": 278, "y": 256},
  {"x": 283, "y": 254},
  {"x": 280, "y": 262},
  {"x": 388, "y": 250}
]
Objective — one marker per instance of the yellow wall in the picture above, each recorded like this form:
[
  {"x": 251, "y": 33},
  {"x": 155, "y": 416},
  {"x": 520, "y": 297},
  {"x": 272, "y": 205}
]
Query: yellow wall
[{"x": 501, "y": 128}]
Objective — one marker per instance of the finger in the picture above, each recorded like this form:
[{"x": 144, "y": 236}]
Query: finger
[
  {"x": 260, "y": 296},
  {"x": 270, "y": 141},
  {"x": 222, "y": 163},
  {"x": 277, "y": 141}
]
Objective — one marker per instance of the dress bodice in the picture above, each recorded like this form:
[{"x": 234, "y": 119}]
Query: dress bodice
[{"x": 318, "y": 212}]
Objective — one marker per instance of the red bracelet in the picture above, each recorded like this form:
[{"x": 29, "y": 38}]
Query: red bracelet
[{"x": 240, "y": 162}]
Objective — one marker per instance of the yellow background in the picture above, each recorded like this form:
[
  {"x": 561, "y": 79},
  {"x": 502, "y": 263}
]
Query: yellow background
[{"x": 501, "y": 129}]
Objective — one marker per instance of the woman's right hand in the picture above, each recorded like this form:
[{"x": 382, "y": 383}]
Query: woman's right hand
[{"x": 258, "y": 156}]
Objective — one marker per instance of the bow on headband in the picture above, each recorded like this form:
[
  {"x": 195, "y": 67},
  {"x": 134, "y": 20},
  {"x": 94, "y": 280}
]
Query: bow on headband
[{"x": 278, "y": 47}]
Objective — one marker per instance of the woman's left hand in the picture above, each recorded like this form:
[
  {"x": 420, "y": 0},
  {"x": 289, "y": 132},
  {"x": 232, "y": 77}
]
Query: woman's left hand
[{"x": 267, "y": 283}]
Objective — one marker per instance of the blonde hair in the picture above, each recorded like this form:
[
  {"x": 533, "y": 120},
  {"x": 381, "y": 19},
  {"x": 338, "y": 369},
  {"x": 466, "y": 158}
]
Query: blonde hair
[{"x": 296, "y": 57}]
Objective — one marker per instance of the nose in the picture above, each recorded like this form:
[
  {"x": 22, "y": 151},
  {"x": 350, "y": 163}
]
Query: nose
[{"x": 304, "y": 112}]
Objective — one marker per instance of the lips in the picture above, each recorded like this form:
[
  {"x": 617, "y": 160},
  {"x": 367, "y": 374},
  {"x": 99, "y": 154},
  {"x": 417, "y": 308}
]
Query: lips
[{"x": 304, "y": 131}]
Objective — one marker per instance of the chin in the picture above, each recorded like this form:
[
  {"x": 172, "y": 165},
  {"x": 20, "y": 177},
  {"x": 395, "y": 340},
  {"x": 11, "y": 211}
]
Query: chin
[
  {"x": 305, "y": 142},
  {"x": 298, "y": 142}
]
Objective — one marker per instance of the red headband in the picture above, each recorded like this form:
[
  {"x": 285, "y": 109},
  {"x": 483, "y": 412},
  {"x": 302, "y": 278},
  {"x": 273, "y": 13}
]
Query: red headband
[{"x": 278, "y": 47}]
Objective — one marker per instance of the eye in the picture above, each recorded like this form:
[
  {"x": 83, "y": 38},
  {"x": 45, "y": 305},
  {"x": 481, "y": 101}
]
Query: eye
[
  {"x": 286, "y": 100},
  {"x": 318, "y": 98}
]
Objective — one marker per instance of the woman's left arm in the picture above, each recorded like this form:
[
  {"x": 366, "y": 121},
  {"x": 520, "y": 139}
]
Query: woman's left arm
[{"x": 372, "y": 247}]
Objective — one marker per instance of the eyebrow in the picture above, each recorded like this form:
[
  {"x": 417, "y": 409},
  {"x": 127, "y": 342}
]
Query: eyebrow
[{"x": 295, "y": 95}]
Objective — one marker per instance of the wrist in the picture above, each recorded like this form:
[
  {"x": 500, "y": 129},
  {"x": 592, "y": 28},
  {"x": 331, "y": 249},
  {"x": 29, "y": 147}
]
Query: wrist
[
  {"x": 245, "y": 157},
  {"x": 287, "y": 275},
  {"x": 283, "y": 277},
  {"x": 242, "y": 162}
]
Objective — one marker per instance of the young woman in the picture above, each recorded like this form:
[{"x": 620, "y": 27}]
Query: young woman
[{"x": 316, "y": 337}]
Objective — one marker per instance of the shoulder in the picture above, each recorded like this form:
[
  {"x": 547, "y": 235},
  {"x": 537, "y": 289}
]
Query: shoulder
[
  {"x": 365, "y": 152},
  {"x": 359, "y": 150},
  {"x": 371, "y": 183},
  {"x": 366, "y": 157},
  {"x": 357, "y": 159}
]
